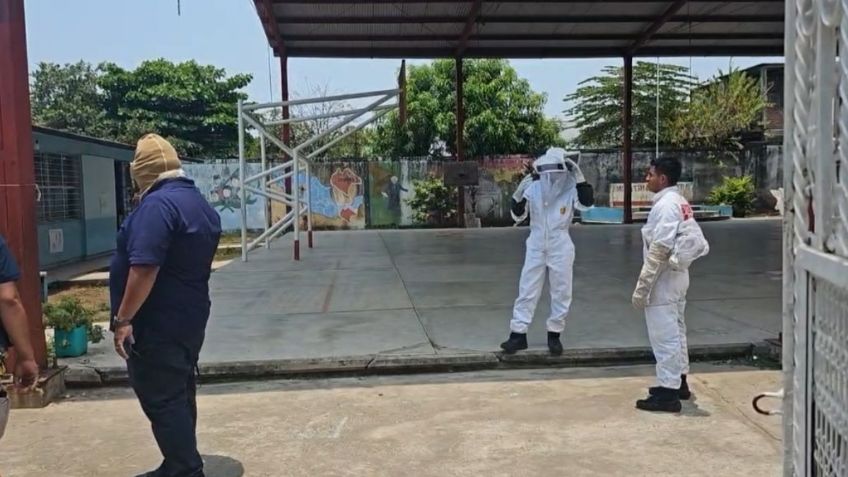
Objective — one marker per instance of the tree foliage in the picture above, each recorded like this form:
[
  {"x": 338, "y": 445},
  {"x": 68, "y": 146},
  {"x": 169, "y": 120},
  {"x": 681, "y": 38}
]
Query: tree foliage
[
  {"x": 67, "y": 98},
  {"x": 190, "y": 104},
  {"x": 597, "y": 105},
  {"x": 719, "y": 113},
  {"x": 503, "y": 114},
  {"x": 356, "y": 145}
]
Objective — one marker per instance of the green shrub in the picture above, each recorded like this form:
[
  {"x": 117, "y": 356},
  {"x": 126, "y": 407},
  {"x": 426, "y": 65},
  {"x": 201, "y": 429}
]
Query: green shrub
[
  {"x": 433, "y": 202},
  {"x": 68, "y": 313},
  {"x": 737, "y": 192}
]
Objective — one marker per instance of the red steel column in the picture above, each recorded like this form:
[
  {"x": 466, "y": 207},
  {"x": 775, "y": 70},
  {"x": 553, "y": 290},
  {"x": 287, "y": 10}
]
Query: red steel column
[
  {"x": 286, "y": 134},
  {"x": 626, "y": 133},
  {"x": 17, "y": 172},
  {"x": 460, "y": 135}
]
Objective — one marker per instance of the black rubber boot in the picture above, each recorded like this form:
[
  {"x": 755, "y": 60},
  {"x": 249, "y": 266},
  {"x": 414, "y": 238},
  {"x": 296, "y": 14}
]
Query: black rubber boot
[
  {"x": 554, "y": 344},
  {"x": 683, "y": 393},
  {"x": 516, "y": 342},
  {"x": 663, "y": 400}
]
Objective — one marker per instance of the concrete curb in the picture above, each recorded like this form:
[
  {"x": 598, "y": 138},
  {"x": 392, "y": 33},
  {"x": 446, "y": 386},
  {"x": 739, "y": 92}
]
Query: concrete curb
[
  {"x": 97, "y": 279},
  {"x": 86, "y": 376}
]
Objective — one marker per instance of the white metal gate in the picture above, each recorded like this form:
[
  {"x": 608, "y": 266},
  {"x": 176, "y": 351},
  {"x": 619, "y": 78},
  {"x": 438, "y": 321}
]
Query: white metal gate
[{"x": 816, "y": 239}]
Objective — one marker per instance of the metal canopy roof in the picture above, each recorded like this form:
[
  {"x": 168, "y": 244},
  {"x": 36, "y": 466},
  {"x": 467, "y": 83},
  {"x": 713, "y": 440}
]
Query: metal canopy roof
[{"x": 522, "y": 29}]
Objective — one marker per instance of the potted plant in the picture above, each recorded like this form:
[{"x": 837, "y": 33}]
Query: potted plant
[{"x": 73, "y": 327}]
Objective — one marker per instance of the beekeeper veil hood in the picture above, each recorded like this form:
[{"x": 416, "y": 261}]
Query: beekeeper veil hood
[
  {"x": 553, "y": 172},
  {"x": 155, "y": 160}
]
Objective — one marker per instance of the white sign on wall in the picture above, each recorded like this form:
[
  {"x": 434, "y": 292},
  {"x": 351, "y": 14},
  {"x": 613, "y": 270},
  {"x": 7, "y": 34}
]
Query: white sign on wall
[
  {"x": 57, "y": 240},
  {"x": 641, "y": 196}
]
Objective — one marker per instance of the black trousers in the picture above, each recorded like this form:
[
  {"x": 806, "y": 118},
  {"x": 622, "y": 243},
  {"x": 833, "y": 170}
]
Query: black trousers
[{"x": 162, "y": 374}]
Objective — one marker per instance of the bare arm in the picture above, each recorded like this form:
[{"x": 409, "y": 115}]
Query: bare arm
[
  {"x": 139, "y": 283},
  {"x": 14, "y": 320}
]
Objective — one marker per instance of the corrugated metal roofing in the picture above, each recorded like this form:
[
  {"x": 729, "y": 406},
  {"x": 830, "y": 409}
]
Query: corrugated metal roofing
[{"x": 522, "y": 29}]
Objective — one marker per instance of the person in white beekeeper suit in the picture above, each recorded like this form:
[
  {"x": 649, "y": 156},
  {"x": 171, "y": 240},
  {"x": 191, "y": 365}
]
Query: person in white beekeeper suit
[
  {"x": 672, "y": 241},
  {"x": 550, "y": 193}
]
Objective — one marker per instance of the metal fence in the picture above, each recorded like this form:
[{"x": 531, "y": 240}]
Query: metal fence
[{"x": 816, "y": 239}]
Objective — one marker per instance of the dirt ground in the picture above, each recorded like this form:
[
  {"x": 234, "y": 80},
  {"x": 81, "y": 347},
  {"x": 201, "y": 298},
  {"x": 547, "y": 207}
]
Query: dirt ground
[{"x": 93, "y": 297}]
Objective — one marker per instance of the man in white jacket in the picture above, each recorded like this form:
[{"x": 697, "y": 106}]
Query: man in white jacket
[
  {"x": 664, "y": 281},
  {"x": 550, "y": 193}
]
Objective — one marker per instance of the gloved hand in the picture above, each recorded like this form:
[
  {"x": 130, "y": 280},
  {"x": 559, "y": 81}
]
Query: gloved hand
[
  {"x": 657, "y": 257},
  {"x": 575, "y": 169},
  {"x": 518, "y": 195}
]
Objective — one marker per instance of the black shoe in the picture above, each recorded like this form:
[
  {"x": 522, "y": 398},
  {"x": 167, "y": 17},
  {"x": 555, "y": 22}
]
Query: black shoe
[
  {"x": 158, "y": 473},
  {"x": 683, "y": 393},
  {"x": 554, "y": 344},
  {"x": 516, "y": 342},
  {"x": 663, "y": 400}
]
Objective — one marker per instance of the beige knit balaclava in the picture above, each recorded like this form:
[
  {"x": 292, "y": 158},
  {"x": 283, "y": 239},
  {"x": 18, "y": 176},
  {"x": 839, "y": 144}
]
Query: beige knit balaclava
[{"x": 155, "y": 158}]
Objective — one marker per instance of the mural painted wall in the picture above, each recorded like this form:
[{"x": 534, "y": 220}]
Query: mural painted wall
[
  {"x": 498, "y": 178},
  {"x": 387, "y": 192},
  {"x": 338, "y": 195},
  {"x": 356, "y": 195},
  {"x": 219, "y": 183}
]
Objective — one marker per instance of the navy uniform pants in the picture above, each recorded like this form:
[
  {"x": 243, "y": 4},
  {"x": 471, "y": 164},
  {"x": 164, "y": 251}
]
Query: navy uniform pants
[{"x": 162, "y": 374}]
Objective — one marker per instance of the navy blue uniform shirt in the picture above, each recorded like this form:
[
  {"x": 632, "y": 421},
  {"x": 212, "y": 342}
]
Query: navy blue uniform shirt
[
  {"x": 173, "y": 228},
  {"x": 8, "y": 273}
]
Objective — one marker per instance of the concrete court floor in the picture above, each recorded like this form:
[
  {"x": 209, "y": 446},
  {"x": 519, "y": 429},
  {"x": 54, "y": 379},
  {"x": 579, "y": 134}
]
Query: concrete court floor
[
  {"x": 574, "y": 422},
  {"x": 429, "y": 292}
]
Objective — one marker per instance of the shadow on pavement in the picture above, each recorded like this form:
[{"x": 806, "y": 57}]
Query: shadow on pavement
[{"x": 222, "y": 466}]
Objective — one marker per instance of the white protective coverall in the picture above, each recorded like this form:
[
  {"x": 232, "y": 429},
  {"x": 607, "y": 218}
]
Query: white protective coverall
[
  {"x": 672, "y": 240},
  {"x": 550, "y": 198}
]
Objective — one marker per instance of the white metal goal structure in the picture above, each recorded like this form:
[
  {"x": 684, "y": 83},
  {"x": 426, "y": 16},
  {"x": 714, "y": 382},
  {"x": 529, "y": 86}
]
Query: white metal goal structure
[
  {"x": 815, "y": 353},
  {"x": 297, "y": 165}
]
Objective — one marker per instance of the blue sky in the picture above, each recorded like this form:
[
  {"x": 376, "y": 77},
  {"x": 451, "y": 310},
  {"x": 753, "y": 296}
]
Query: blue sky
[{"x": 227, "y": 33}]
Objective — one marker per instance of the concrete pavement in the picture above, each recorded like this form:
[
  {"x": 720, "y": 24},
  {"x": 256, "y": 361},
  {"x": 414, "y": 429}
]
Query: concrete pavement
[
  {"x": 424, "y": 296},
  {"x": 575, "y": 422}
]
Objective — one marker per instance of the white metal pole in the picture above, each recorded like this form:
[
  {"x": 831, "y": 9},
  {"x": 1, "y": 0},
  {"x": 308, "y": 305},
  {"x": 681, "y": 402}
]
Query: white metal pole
[
  {"x": 309, "y": 204},
  {"x": 242, "y": 192},
  {"x": 788, "y": 335},
  {"x": 296, "y": 203},
  {"x": 267, "y": 209},
  {"x": 324, "y": 99},
  {"x": 657, "y": 155}
]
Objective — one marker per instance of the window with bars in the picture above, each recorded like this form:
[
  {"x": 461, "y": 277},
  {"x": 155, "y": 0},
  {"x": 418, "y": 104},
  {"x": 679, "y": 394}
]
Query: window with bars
[{"x": 59, "y": 179}]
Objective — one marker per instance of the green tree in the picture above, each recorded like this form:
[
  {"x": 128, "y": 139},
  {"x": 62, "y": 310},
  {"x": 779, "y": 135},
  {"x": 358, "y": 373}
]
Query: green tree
[
  {"x": 597, "y": 105},
  {"x": 191, "y": 105},
  {"x": 66, "y": 97},
  {"x": 503, "y": 114},
  {"x": 719, "y": 113}
]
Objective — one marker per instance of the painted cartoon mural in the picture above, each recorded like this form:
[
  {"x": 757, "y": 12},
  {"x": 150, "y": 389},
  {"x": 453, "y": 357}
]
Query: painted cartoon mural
[
  {"x": 219, "y": 183},
  {"x": 356, "y": 195},
  {"x": 387, "y": 194},
  {"x": 337, "y": 195},
  {"x": 498, "y": 180}
]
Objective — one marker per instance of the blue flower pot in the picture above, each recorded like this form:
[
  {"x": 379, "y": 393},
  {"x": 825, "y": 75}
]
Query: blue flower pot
[{"x": 70, "y": 344}]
